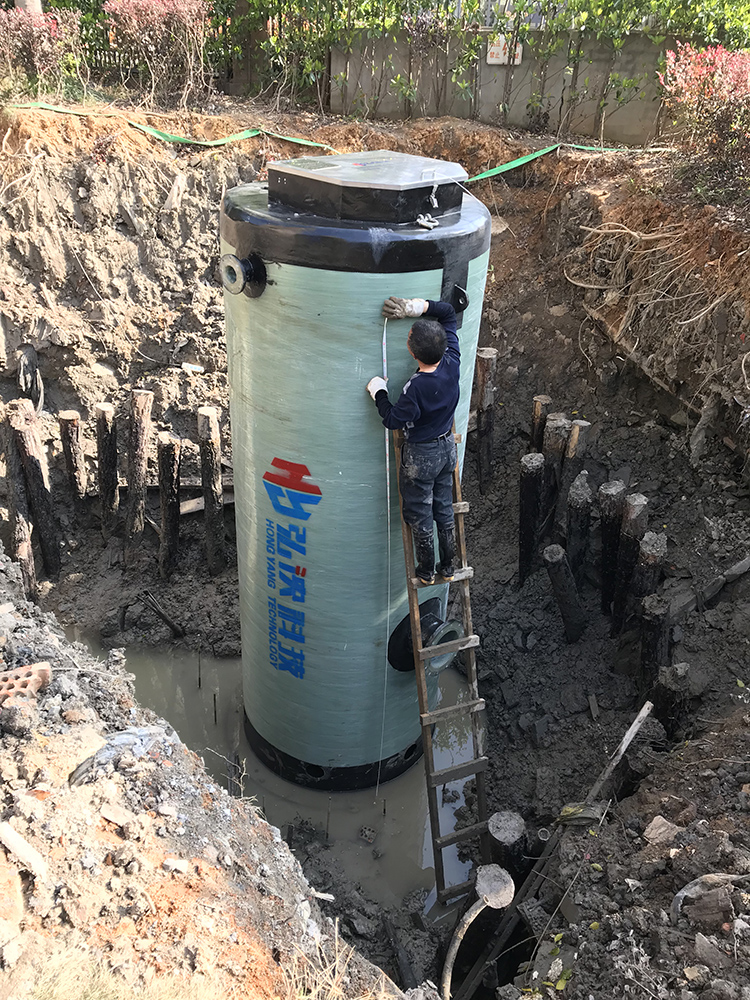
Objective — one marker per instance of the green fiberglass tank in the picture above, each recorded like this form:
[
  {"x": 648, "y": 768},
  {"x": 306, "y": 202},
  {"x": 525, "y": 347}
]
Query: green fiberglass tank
[{"x": 308, "y": 259}]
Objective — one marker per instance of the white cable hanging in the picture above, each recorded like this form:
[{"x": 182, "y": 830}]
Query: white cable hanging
[{"x": 388, "y": 562}]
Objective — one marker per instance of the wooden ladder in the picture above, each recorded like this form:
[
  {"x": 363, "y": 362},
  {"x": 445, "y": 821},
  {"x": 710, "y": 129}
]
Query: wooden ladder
[{"x": 468, "y": 644}]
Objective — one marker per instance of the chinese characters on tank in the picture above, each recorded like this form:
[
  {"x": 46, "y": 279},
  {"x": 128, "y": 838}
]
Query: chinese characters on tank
[{"x": 293, "y": 499}]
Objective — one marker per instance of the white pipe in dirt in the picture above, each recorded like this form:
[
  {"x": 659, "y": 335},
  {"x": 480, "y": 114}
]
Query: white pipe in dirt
[{"x": 495, "y": 889}]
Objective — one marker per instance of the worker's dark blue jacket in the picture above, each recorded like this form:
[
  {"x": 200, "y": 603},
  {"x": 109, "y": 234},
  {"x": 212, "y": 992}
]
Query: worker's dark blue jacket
[{"x": 426, "y": 406}]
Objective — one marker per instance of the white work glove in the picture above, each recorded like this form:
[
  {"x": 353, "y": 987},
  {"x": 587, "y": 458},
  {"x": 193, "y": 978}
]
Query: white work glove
[
  {"x": 394, "y": 308},
  {"x": 375, "y": 385}
]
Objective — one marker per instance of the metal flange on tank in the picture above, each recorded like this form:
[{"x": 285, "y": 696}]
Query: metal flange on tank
[{"x": 308, "y": 259}]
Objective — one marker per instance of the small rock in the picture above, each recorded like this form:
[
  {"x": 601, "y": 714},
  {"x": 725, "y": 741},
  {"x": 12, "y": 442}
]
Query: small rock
[
  {"x": 124, "y": 855},
  {"x": 696, "y": 973},
  {"x": 661, "y": 831},
  {"x": 28, "y": 856},
  {"x": 363, "y": 926},
  {"x": 116, "y": 814},
  {"x": 211, "y": 854},
  {"x": 18, "y": 718},
  {"x": 74, "y": 716},
  {"x": 176, "y": 865},
  {"x": 168, "y": 811},
  {"x": 721, "y": 989},
  {"x": 708, "y": 954},
  {"x": 65, "y": 686},
  {"x": 10, "y": 953}
]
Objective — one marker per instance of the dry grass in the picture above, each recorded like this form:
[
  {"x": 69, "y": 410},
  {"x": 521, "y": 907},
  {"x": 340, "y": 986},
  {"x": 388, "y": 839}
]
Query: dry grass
[
  {"x": 74, "y": 975},
  {"x": 327, "y": 975}
]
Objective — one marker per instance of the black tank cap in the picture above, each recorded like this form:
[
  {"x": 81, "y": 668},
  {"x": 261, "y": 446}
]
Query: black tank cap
[{"x": 373, "y": 186}]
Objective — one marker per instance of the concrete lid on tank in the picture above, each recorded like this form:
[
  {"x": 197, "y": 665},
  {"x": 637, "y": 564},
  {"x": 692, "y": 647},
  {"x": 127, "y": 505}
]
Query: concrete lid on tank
[{"x": 379, "y": 168}]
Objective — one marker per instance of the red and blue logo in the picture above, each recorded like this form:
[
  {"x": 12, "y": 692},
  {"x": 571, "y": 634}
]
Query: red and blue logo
[{"x": 291, "y": 493}]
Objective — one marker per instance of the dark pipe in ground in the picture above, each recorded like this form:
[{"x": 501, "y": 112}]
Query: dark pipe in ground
[
  {"x": 141, "y": 401},
  {"x": 611, "y": 504},
  {"x": 538, "y": 420},
  {"x": 75, "y": 465},
  {"x": 556, "y": 433},
  {"x": 565, "y": 591},
  {"x": 575, "y": 451},
  {"x": 531, "y": 498},
  {"x": 648, "y": 570},
  {"x": 634, "y": 524},
  {"x": 19, "y": 515},
  {"x": 654, "y": 636},
  {"x": 168, "y": 451},
  {"x": 106, "y": 465},
  {"x": 485, "y": 374},
  {"x": 25, "y": 428},
  {"x": 580, "y": 501}
]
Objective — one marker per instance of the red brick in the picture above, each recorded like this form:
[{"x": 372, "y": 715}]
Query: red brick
[{"x": 23, "y": 683}]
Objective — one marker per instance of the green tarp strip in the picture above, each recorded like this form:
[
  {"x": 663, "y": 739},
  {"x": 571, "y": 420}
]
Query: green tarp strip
[
  {"x": 248, "y": 133},
  {"x": 540, "y": 152},
  {"x": 514, "y": 163}
]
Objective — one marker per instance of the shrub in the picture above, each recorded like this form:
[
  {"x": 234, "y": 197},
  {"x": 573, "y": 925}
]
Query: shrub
[
  {"x": 164, "y": 42},
  {"x": 709, "y": 89},
  {"x": 42, "y": 48}
]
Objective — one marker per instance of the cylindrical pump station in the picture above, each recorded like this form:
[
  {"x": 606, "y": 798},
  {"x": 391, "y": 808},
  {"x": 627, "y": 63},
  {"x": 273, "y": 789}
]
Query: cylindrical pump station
[{"x": 308, "y": 259}]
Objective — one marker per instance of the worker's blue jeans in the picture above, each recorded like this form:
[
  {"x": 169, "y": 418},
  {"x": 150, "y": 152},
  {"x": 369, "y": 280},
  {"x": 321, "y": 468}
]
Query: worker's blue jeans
[{"x": 426, "y": 481}]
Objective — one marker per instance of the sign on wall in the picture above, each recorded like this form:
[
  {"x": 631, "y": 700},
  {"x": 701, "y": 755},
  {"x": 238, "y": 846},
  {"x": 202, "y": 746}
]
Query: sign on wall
[{"x": 498, "y": 55}]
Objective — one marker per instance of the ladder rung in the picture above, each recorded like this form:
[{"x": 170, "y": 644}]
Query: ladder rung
[
  {"x": 461, "y": 508},
  {"x": 468, "y": 642},
  {"x": 467, "y": 833},
  {"x": 462, "y": 573},
  {"x": 464, "y": 708},
  {"x": 453, "y": 891},
  {"x": 457, "y": 771}
]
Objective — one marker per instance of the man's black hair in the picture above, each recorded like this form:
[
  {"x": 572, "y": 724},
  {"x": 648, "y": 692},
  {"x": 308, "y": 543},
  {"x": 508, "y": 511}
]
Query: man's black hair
[{"x": 427, "y": 341}]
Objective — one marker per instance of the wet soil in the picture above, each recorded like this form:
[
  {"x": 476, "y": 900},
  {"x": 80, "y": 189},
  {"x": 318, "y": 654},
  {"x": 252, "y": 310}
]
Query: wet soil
[{"x": 115, "y": 291}]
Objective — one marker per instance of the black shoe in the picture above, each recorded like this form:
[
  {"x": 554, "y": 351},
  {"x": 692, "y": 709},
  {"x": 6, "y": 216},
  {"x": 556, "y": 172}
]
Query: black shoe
[
  {"x": 447, "y": 548},
  {"x": 424, "y": 548}
]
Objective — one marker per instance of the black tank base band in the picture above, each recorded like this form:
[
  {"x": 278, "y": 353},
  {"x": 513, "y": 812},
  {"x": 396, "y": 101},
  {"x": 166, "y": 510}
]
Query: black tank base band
[{"x": 330, "y": 779}]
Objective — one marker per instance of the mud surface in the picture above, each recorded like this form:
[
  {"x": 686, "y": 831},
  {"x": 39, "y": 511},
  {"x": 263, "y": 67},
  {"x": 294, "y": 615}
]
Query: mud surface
[{"x": 116, "y": 290}]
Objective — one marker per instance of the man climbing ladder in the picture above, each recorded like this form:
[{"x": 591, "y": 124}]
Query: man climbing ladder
[{"x": 424, "y": 411}]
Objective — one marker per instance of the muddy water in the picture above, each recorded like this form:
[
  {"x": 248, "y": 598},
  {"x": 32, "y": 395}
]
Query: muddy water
[{"x": 208, "y": 718}]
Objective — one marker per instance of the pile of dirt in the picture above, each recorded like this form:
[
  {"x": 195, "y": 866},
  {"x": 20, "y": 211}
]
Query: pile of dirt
[{"x": 118, "y": 846}]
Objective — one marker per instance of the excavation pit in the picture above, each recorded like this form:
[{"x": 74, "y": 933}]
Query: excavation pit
[{"x": 556, "y": 709}]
